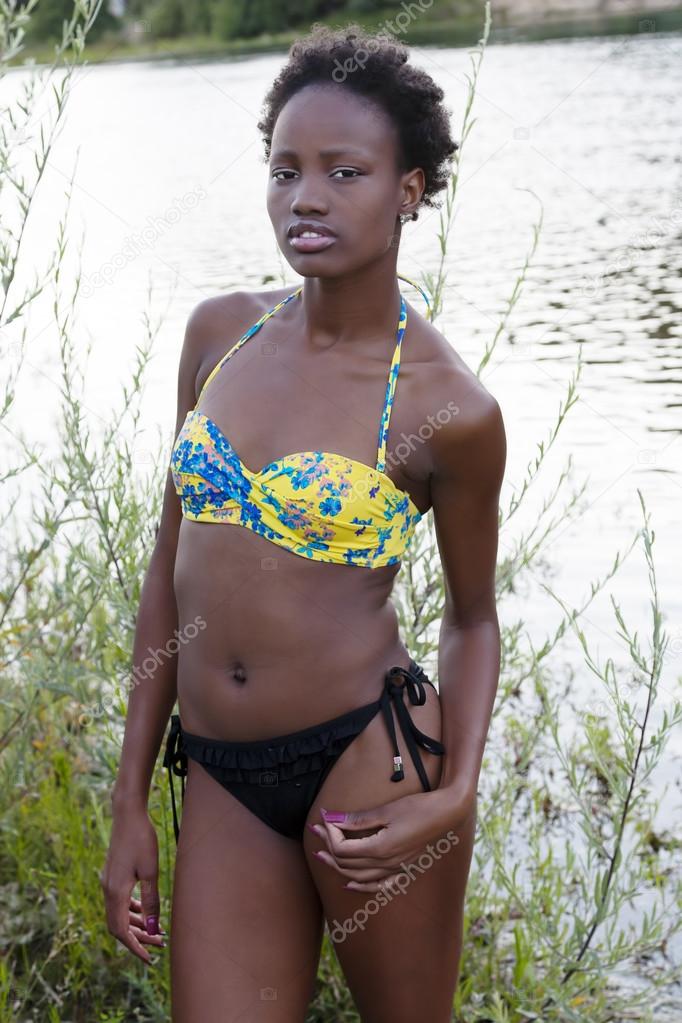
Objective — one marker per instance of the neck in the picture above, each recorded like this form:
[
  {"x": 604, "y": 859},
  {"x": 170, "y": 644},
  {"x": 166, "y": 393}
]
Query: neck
[{"x": 362, "y": 306}]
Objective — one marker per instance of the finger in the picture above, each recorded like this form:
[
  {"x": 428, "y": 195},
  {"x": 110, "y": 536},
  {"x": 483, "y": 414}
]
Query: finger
[
  {"x": 381, "y": 864},
  {"x": 138, "y": 920},
  {"x": 116, "y": 901},
  {"x": 376, "y": 862},
  {"x": 394, "y": 885},
  {"x": 372, "y": 846},
  {"x": 151, "y": 903},
  {"x": 148, "y": 939},
  {"x": 366, "y": 863},
  {"x": 131, "y": 942},
  {"x": 348, "y": 852},
  {"x": 384, "y": 849},
  {"x": 353, "y": 873}
]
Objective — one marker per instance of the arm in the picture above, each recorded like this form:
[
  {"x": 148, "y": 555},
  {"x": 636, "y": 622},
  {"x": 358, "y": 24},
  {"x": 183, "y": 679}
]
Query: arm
[
  {"x": 469, "y": 454},
  {"x": 154, "y": 691},
  {"x": 469, "y": 462},
  {"x": 133, "y": 849}
]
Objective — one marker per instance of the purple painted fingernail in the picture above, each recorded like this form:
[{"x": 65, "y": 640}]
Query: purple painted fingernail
[
  {"x": 334, "y": 818},
  {"x": 152, "y": 924}
]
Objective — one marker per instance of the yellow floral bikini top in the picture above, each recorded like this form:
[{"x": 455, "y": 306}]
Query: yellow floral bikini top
[{"x": 317, "y": 504}]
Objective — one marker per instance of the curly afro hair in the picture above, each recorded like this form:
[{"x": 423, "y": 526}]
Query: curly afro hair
[{"x": 375, "y": 67}]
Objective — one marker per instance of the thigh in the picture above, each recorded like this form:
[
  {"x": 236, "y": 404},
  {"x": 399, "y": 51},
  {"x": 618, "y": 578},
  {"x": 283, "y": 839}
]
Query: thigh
[
  {"x": 246, "y": 921},
  {"x": 400, "y": 953}
]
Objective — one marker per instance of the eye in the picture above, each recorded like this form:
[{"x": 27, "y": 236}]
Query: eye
[{"x": 341, "y": 170}]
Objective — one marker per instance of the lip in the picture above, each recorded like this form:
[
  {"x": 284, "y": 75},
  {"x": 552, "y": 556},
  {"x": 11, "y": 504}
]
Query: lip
[
  {"x": 298, "y": 226},
  {"x": 311, "y": 244},
  {"x": 325, "y": 236}
]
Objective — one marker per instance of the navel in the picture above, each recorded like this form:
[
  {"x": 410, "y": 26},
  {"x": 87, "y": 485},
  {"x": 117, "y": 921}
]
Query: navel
[{"x": 238, "y": 672}]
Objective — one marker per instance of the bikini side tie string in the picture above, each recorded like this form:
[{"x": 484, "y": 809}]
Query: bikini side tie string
[
  {"x": 394, "y": 693},
  {"x": 176, "y": 762}
]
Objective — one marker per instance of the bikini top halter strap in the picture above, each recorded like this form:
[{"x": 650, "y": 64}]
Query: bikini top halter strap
[
  {"x": 245, "y": 337},
  {"x": 392, "y": 374}
]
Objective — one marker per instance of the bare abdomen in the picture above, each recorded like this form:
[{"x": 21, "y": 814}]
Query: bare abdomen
[{"x": 275, "y": 642}]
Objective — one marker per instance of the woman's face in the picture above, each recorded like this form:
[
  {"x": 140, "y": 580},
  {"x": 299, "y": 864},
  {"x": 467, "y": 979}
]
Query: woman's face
[{"x": 334, "y": 160}]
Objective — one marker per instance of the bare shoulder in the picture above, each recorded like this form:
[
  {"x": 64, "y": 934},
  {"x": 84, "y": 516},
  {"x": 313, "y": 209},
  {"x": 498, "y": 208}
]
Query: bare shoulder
[
  {"x": 223, "y": 314},
  {"x": 217, "y": 322},
  {"x": 465, "y": 416}
]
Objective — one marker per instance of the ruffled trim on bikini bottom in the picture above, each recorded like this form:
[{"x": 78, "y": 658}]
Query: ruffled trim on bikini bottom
[{"x": 265, "y": 762}]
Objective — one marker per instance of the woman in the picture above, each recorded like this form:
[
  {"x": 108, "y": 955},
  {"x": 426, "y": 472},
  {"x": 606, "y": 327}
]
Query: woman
[{"x": 285, "y": 517}]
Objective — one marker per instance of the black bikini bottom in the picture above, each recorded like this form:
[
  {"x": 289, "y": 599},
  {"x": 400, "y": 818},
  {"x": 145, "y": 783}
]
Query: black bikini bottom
[{"x": 278, "y": 779}]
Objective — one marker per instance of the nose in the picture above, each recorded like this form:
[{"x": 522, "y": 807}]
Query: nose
[{"x": 308, "y": 200}]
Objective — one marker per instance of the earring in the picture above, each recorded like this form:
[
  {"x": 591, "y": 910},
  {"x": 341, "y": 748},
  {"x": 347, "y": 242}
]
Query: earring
[{"x": 404, "y": 217}]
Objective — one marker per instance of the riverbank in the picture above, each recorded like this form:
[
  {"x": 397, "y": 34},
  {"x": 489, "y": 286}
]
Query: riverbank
[{"x": 510, "y": 24}]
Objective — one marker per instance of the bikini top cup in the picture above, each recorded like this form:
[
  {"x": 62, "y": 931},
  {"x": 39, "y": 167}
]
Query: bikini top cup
[{"x": 317, "y": 504}]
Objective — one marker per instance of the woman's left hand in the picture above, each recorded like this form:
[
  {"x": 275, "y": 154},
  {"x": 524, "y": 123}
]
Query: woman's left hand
[{"x": 406, "y": 826}]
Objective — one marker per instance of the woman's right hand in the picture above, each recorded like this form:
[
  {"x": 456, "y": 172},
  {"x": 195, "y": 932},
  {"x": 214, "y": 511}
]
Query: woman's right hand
[{"x": 133, "y": 856}]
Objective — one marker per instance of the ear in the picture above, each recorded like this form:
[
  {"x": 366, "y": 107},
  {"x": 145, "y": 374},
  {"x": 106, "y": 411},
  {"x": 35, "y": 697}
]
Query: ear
[{"x": 412, "y": 188}]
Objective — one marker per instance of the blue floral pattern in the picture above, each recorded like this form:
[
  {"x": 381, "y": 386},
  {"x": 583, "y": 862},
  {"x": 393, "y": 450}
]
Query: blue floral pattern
[{"x": 317, "y": 504}]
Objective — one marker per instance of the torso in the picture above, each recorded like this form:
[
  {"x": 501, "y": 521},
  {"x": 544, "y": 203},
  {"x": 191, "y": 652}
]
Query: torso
[{"x": 283, "y": 642}]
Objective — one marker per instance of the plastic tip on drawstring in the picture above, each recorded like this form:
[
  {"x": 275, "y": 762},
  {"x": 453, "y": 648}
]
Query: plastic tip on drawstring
[{"x": 398, "y": 773}]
